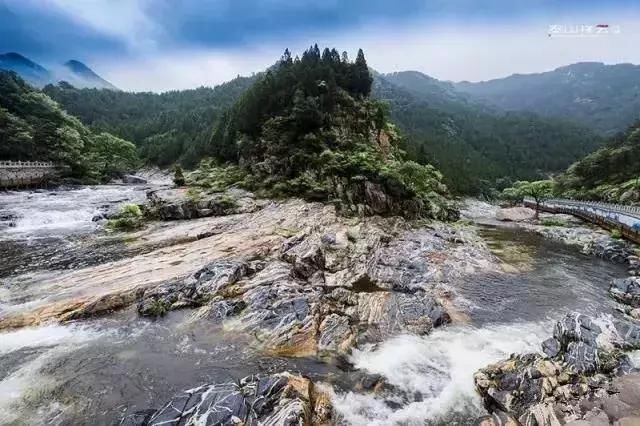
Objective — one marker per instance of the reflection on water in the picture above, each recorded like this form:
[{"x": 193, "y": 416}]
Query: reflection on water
[{"x": 556, "y": 279}]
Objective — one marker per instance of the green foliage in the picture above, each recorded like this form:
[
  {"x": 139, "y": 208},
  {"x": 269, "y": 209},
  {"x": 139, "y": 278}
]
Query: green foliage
[
  {"x": 158, "y": 308},
  {"x": 34, "y": 127},
  {"x": 307, "y": 128},
  {"x": 211, "y": 176},
  {"x": 538, "y": 190},
  {"x": 553, "y": 221},
  {"x": 477, "y": 149},
  {"x": 129, "y": 218},
  {"x": 169, "y": 127},
  {"x": 598, "y": 96},
  {"x": 610, "y": 173},
  {"x": 227, "y": 202},
  {"x": 616, "y": 234}
]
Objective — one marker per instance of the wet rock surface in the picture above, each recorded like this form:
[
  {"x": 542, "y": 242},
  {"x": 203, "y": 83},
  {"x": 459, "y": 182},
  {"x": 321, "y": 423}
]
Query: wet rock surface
[
  {"x": 581, "y": 370},
  {"x": 626, "y": 290},
  {"x": 180, "y": 203},
  {"x": 281, "y": 399},
  {"x": 589, "y": 240},
  {"x": 133, "y": 180}
]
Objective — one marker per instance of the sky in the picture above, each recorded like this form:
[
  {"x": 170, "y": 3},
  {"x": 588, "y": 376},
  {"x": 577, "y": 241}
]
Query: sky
[{"x": 161, "y": 45}]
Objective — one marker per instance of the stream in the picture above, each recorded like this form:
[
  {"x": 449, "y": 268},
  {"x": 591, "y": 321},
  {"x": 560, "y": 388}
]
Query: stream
[{"x": 96, "y": 371}]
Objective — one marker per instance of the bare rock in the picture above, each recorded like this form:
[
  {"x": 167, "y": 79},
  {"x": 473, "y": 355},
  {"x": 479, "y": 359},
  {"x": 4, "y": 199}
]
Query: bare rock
[
  {"x": 626, "y": 291},
  {"x": 278, "y": 399},
  {"x": 515, "y": 214}
]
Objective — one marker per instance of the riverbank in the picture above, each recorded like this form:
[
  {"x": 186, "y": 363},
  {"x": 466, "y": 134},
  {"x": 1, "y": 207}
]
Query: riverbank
[
  {"x": 345, "y": 320},
  {"x": 584, "y": 373}
]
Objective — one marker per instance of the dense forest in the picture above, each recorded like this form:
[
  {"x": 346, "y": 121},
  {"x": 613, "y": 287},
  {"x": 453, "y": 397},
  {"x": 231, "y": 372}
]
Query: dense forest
[
  {"x": 170, "y": 127},
  {"x": 34, "y": 127},
  {"x": 611, "y": 173},
  {"x": 474, "y": 147},
  {"x": 605, "y": 98}
]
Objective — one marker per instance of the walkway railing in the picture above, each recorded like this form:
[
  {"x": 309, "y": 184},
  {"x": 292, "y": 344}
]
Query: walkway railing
[
  {"x": 26, "y": 164},
  {"x": 626, "y": 219}
]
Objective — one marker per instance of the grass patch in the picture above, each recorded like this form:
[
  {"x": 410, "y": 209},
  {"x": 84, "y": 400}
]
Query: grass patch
[
  {"x": 616, "y": 234},
  {"x": 158, "y": 309},
  {"x": 553, "y": 221}
]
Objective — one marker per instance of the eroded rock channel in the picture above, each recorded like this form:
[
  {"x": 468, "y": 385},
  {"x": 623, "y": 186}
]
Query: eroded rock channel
[{"x": 284, "y": 312}]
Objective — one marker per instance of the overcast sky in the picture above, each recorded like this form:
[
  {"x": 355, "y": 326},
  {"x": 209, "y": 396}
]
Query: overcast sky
[{"x": 164, "y": 44}]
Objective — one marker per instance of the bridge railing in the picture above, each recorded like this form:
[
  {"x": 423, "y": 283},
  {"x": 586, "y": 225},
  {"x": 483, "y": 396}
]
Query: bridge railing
[
  {"x": 621, "y": 208},
  {"x": 626, "y": 219},
  {"x": 26, "y": 164}
]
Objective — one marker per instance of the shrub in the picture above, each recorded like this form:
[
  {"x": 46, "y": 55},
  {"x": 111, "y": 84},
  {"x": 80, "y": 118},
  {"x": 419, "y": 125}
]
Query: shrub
[
  {"x": 616, "y": 234},
  {"x": 178, "y": 177},
  {"x": 227, "y": 202},
  {"x": 129, "y": 218}
]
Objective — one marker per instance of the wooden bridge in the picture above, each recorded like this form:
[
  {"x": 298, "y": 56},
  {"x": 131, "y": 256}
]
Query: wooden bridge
[
  {"x": 624, "y": 218},
  {"x": 16, "y": 174}
]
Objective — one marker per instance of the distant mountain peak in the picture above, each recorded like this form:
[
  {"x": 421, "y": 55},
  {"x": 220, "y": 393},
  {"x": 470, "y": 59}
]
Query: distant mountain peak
[
  {"x": 32, "y": 72},
  {"x": 73, "y": 71},
  {"x": 79, "y": 67}
]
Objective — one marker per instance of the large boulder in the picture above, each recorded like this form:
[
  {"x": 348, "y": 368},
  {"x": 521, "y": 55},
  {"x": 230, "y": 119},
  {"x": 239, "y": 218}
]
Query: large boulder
[
  {"x": 133, "y": 180},
  {"x": 579, "y": 363},
  {"x": 516, "y": 214},
  {"x": 183, "y": 203},
  {"x": 195, "y": 289},
  {"x": 626, "y": 290},
  {"x": 280, "y": 399}
]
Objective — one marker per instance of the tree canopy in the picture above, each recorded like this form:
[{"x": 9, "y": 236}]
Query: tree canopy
[
  {"x": 34, "y": 127},
  {"x": 307, "y": 127}
]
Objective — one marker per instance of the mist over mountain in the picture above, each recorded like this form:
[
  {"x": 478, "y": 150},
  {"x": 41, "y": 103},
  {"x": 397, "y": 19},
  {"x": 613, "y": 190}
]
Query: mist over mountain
[
  {"x": 30, "y": 71},
  {"x": 73, "y": 72},
  {"x": 605, "y": 98}
]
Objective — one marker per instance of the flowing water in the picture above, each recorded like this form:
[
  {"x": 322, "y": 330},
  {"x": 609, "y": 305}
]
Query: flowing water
[{"x": 95, "y": 371}]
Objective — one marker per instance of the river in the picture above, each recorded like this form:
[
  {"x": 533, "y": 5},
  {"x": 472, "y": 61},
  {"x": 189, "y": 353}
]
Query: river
[{"x": 95, "y": 371}]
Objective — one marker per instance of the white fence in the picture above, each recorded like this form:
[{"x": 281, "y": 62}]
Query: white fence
[{"x": 26, "y": 164}]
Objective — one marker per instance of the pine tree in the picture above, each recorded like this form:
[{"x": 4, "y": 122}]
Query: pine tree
[{"x": 363, "y": 79}]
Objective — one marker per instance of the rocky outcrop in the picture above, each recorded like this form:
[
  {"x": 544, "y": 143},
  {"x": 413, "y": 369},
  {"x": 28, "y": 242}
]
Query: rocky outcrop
[
  {"x": 579, "y": 364},
  {"x": 626, "y": 290},
  {"x": 589, "y": 240},
  {"x": 516, "y": 214},
  {"x": 196, "y": 289},
  {"x": 359, "y": 196},
  {"x": 181, "y": 203},
  {"x": 281, "y": 399},
  {"x": 133, "y": 180}
]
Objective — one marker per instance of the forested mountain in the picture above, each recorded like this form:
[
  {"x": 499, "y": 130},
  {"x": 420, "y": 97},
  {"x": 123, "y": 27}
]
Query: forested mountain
[
  {"x": 473, "y": 146},
  {"x": 467, "y": 142},
  {"x": 603, "y": 97},
  {"x": 73, "y": 72},
  {"x": 430, "y": 89},
  {"x": 308, "y": 127},
  {"x": 34, "y": 127},
  {"x": 168, "y": 127},
  {"x": 611, "y": 173}
]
